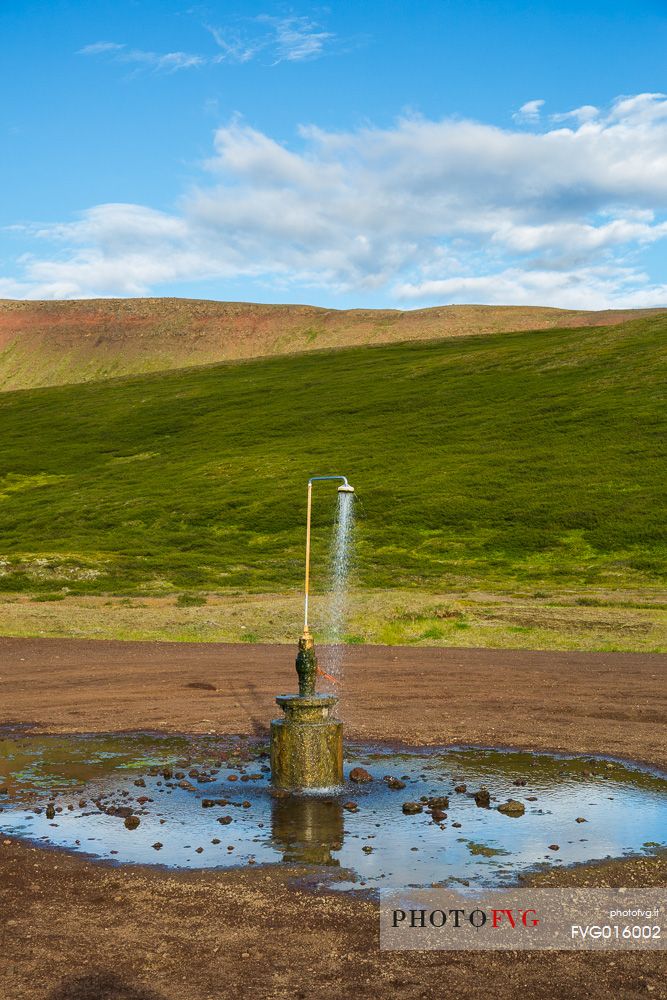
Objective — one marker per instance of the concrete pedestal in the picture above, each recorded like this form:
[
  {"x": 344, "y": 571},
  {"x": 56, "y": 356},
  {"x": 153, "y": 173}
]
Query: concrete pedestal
[{"x": 307, "y": 745}]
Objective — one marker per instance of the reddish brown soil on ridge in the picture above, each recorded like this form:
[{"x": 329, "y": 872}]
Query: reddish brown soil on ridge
[{"x": 52, "y": 343}]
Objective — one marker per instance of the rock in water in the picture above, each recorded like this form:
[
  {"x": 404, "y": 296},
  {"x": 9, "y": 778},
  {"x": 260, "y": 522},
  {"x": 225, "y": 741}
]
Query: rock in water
[
  {"x": 410, "y": 808},
  {"x": 132, "y": 822},
  {"x": 360, "y": 775},
  {"x": 482, "y": 798},
  {"x": 394, "y": 783},
  {"x": 512, "y": 808}
]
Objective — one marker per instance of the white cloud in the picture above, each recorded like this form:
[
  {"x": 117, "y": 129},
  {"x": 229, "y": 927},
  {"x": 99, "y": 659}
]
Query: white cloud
[
  {"x": 424, "y": 212},
  {"x": 586, "y": 113},
  {"x": 97, "y": 48},
  {"x": 166, "y": 62},
  {"x": 277, "y": 39},
  {"x": 529, "y": 112}
]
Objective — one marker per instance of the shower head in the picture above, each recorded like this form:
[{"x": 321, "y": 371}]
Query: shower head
[{"x": 346, "y": 488}]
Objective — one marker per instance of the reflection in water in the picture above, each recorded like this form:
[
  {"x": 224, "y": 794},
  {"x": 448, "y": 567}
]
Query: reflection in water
[
  {"x": 307, "y": 829},
  {"x": 206, "y": 802}
]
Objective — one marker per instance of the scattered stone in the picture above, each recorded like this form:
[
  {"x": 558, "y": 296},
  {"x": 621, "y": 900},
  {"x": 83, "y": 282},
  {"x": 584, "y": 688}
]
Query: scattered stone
[
  {"x": 554, "y": 847},
  {"x": 50, "y": 811},
  {"x": 367, "y": 849},
  {"x": 199, "y": 850},
  {"x": 224, "y": 820},
  {"x": 208, "y": 803},
  {"x": 187, "y": 785},
  {"x": 140, "y": 783},
  {"x": 512, "y": 808},
  {"x": 360, "y": 775},
  {"x": 157, "y": 846},
  {"x": 580, "y": 819},
  {"x": 519, "y": 781},
  {"x": 122, "y": 811},
  {"x": 438, "y": 815},
  {"x": 351, "y": 807},
  {"x": 457, "y": 825},
  {"x": 232, "y": 777},
  {"x": 411, "y": 808},
  {"x": 167, "y": 774},
  {"x": 482, "y": 798},
  {"x": 394, "y": 783},
  {"x": 460, "y": 789},
  {"x": 143, "y": 799},
  {"x": 438, "y": 802},
  {"x": 215, "y": 841},
  {"x": 132, "y": 822},
  {"x": 531, "y": 798},
  {"x": 246, "y": 804}
]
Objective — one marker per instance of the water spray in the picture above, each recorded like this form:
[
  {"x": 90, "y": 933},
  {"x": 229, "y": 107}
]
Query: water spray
[{"x": 307, "y": 745}]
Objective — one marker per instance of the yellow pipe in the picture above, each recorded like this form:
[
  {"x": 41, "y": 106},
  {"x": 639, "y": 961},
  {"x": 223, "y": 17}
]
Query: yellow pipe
[{"x": 306, "y": 630}]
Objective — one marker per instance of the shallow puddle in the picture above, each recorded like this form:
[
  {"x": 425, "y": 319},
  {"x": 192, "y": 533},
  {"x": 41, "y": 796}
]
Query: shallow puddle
[{"x": 206, "y": 802}]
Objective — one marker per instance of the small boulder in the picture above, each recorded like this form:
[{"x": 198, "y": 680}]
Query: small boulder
[
  {"x": 512, "y": 808},
  {"x": 580, "y": 819},
  {"x": 438, "y": 815},
  {"x": 395, "y": 783},
  {"x": 157, "y": 846},
  {"x": 482, "y": 798},
  {"x": 140, "y": 783},
  {"x": 411, "y": 808},
  {"x": 351, "y": 807},
  {"x": 132, "y": 822},
  {"x": 519, "y": 781},
  {"x": 360, "y": 775},
  {"x": 554, "y": 847},
  {"x": 460, "y": 789},
  {"x": 438, "y": 802},
  {"x": 225, "y": 820}
]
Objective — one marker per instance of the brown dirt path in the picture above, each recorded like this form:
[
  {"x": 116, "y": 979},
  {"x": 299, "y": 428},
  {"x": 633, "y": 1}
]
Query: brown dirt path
[{"x": 613, "y": 703}]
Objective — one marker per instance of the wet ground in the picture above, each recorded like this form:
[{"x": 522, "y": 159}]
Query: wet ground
[
  {"x": 421, "y": 816},
  {"x": 75, "y": 929}
]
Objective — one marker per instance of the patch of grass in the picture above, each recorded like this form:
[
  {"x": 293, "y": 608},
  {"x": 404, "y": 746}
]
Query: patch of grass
[
  {"x": 190, "y": 601},
  {"x": 530, "y": 459}
]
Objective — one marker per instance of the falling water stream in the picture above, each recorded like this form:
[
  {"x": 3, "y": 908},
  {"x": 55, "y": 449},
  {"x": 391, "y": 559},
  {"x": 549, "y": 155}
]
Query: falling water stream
[{"x": 334, "y": 621}]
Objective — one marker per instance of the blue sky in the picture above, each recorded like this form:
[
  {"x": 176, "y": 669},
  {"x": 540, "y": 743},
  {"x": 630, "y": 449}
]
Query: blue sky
[{"x": 375, "y": 154}]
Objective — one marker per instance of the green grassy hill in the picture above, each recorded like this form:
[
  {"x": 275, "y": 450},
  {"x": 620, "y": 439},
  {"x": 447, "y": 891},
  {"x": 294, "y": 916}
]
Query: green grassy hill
[{"x": 529, "y": 457}]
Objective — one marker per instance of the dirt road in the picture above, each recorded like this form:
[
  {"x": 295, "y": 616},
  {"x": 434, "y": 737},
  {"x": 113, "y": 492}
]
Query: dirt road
[{"x": 612, "y": 703}]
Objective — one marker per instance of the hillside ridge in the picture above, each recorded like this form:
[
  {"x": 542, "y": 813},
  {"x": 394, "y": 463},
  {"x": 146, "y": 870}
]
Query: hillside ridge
[{"x": 65, "y": 342}]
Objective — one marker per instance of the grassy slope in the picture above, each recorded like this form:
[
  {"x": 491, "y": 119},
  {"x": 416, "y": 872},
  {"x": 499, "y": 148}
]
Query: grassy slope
[
  {"x": 527, "y": 458},
  {"x": 54, "y": 343}
]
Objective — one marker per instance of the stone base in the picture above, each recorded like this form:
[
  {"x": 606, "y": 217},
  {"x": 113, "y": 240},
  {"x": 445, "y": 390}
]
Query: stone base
[{"x": 306, "y": 746}]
